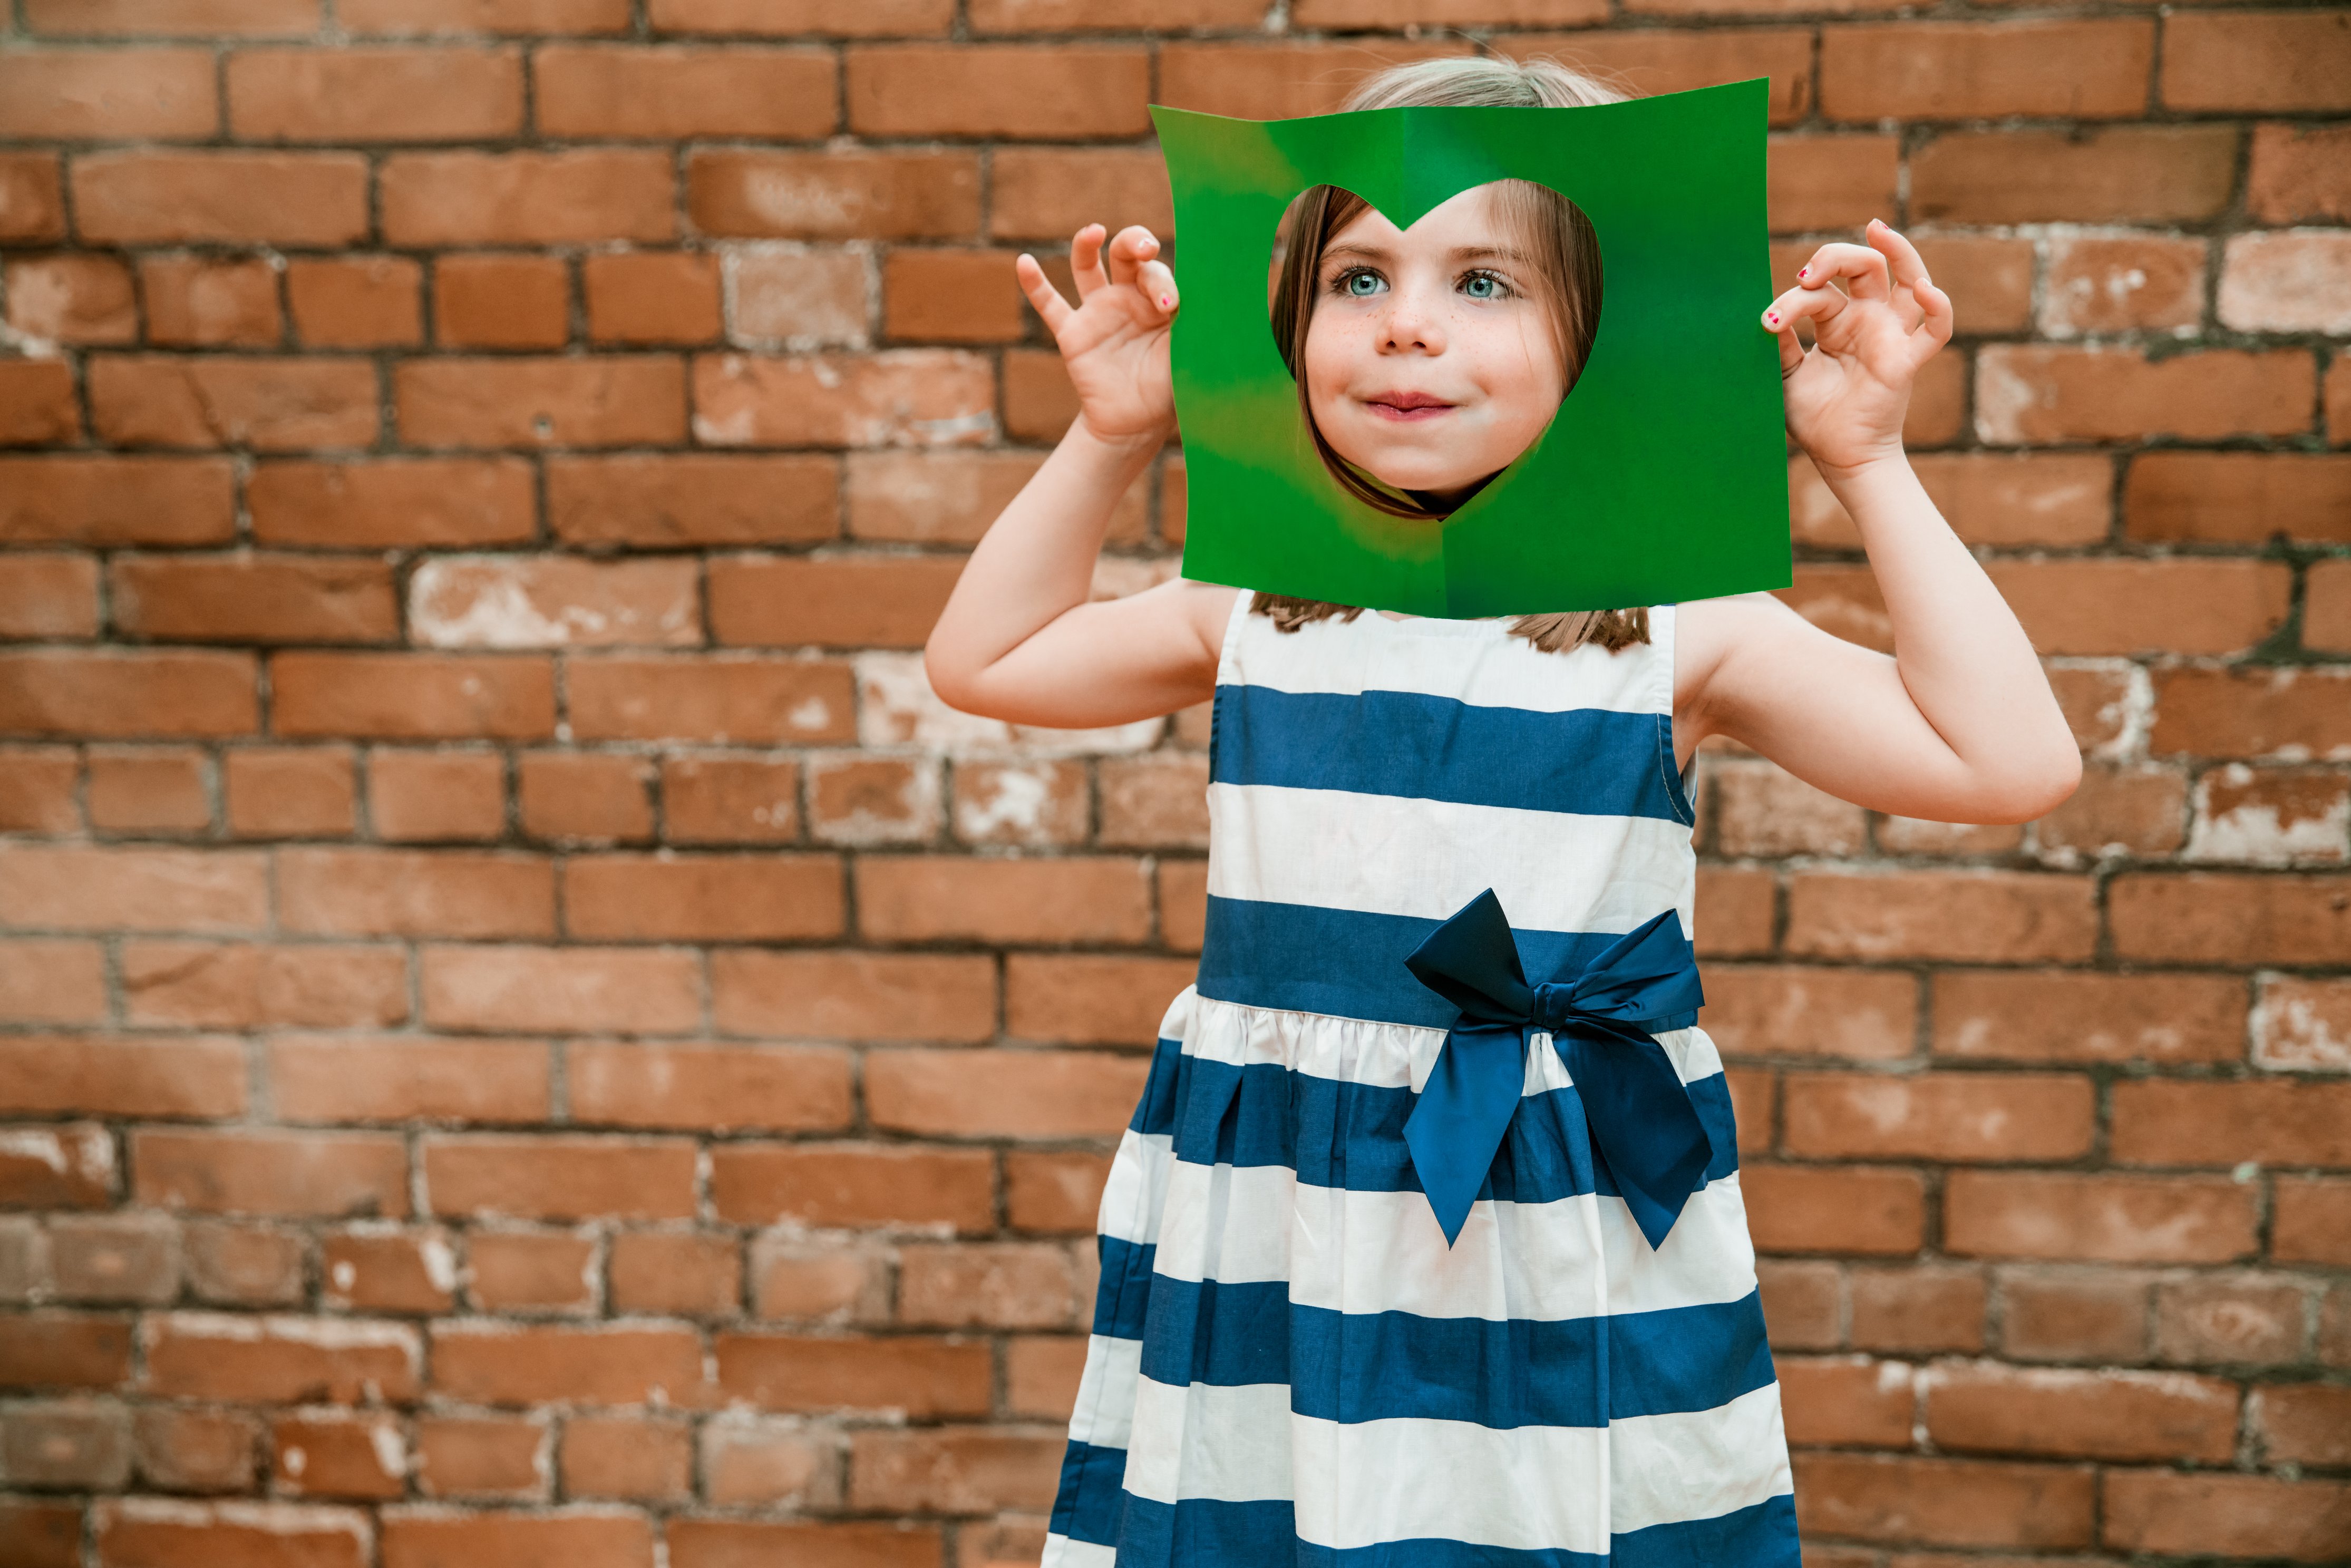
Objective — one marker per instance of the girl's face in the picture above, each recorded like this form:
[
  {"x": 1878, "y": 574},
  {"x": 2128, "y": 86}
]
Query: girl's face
[{"x": 1431, "y": 361}]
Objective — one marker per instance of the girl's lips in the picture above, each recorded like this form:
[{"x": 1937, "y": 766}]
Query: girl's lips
[{"x": 1414, "y": 406}]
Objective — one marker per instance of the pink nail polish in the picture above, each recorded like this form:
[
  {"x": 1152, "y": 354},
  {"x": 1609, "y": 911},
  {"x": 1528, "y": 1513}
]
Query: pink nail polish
[
  {"x": 1772, "y": 317},
  {"x": 1803, "y": 272},
  {"x": 1165, "y": 300}
]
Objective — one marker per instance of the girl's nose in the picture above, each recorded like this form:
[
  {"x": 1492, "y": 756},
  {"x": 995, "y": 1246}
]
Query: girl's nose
[{"x": 1411, "y": 325}]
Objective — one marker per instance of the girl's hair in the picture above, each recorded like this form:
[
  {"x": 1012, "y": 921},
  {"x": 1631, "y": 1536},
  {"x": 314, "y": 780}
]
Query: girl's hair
[{"x": 1566, "y": 265}]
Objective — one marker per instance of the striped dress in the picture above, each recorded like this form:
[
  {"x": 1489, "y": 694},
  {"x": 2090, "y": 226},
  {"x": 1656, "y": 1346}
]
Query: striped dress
[{"x": 1288, "y": 1363}]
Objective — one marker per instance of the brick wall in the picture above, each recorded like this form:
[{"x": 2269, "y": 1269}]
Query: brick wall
[{"x": 530, "y": 1037}]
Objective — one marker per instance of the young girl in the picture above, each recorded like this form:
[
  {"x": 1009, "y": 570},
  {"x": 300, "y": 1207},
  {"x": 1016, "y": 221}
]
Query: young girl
[{"x": 1312, "y": 1343}]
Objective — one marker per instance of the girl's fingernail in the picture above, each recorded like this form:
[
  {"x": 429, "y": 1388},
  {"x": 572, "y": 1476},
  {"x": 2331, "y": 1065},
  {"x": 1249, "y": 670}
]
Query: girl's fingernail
[
  {"x": 1772, "y": 317},
  {"x": 1165, "y": 300},
  {"x": 1803, "y": 272}
]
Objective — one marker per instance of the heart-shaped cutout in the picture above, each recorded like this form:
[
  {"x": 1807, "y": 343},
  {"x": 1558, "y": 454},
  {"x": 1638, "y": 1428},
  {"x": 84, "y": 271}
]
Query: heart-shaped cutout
[{"x": 1430, "y": 359}]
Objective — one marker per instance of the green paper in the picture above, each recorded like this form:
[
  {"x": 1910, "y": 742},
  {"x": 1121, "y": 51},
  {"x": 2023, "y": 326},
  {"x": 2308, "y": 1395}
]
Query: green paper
[{"x": 1664, "y": 476}]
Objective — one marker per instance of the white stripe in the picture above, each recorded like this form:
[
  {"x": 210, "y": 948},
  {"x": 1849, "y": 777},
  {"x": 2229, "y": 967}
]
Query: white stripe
[
  {"x": 1371, "y": 653},
  {"x": 1137, "y": 1188},
  {"x": 1380, "y": 1055},
  {"x": 1524, "y": 1488},
  {"x": 1393, "y": 854},
  {"x": 1382, "y": 1252},
  {"x": 1104, "y": 1413},
  {"x": 1060, "y": 1552}
]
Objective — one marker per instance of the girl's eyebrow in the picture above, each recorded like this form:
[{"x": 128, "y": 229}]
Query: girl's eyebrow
[{"x": 1476, "y": 252}]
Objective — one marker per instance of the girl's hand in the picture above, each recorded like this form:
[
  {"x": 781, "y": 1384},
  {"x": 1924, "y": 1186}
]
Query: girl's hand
[
  {"x": 1114, "y": 341},
  {"x": 1846, "y": 396}
]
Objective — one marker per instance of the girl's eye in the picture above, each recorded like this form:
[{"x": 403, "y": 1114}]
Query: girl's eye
[
  {"x": 1484, "y": 286},
  {"x": 1360, "y": 282}
]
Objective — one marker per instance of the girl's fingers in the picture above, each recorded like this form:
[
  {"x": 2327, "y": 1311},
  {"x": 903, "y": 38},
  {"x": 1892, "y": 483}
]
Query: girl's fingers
[
  {"x": 1938, "y": 321},
  {"x": 1135, "y": 245},
  {"x": 1085, "y": 260},
  {"x": 1819, "y": 304},
  {"x": 1909, "y": 267},
  {"x": 1157, "y": 285},
  {"x": 1791, "y": 352},
  {"x": 1863, "y": 268},
  {"x": 1042, "y": 293}
]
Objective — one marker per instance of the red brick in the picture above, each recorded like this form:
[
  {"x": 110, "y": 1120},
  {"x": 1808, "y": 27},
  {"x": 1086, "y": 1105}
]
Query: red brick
[
  {"x": 354, "y": 93},
  {"x": 853, "y": 1185},
  {"x": 314, "y": 1173},
  {"x": 894, "y": 398},
  {"x": 2305, "y": 1422},
  {"x": 305, "y": 792},
  {"x": 849, "y": 195},
  {"x": 54, "y": 1349},
  {"x": 148, "y": 789},
  {"x": 356, "y": 301},
  {"x": 560, "y": 1178},
  {"x": 410, "y": 502},
  {"x": 629, "y": 1458},
  {"x": 389, "y": 1270},
  {"x": 561, "y": 197},
  {"x": 1795, "y": 1209},
  {"x": 954, "y": 1469},
  {"x": 600, "y": 91},
  {"x": 951, "y": 497},
  {"x": 1078, "y": 999},
  {"x": 2238, "y": 497},
  {"x": 2257, "y": 60},
  {"x": 582, "y": 1539},
  {"x": 745, "y": 700},
  {"x": 437, "y": 796},
  {"x": 2041, "y": 394},
  {"x": 412, "y": 696},
  {"x": 2299, "y": 172},
  {"x": 2273, "y": 816},
  {"x": 1183, "y": 904},
  {"x": 272, "y": 406},
  {"x": 37, "y": 403},
  {"x": 1049, "y": 193},
  {"x": 793, "y": 1089},
  {"x": 1850, "y": 1401},
  {"x": 222, "y": 1356},
  {"x": 919, "y": 1376},
  {"x": 701, "y": 898},
  {"x": 2224, "y": 1515},
  {"x": 52, "y": 982},
  {"x": 2112, "y": 1219},
  {"x": 119, "y": 1258},
  {"x": 1760, "y": 808},
  {"x": 1039, "y": 400},
  {"x": 117, "y": 500},
  {"x": 2088, "y": 607},
  {"x": 1918, "y": 1309},
  {"x": 88, "y": 887},
  {"x": 1042, "y": 1373},
  {"x": 1003, "y": 1093},
  {"x": 237, "y": 1265},
  {"x": 1967, "y": 916},
  {"x": 860, "y": 799},
  {"x": 1660, "y": 60},
  {"x": 2139, "y": 173},
  {"x": 2224, "y": 918},
  {"x": 394, "y": 892},
  {"x": 193, "y": 1450},
  {"x": 2219, "y": 1320},
  {"x": 245, "y": 984},
  {"x": 2286, "y": 283},
  {"x": 1155, "y": 801},
  {"x": 1053, "y": 1193},
  {"x": 696, "y": 498},
  {"x": 1954, "y": 1502},
  {"x": 153, "y": 1533},
  {"x": 567, "y": 991},
  {"x": 2100, "y": 1316},
  {"x": 2167, "y": 1122},
  {"x": 930, "y": 899},
  {"x": 726, "y": 799},
  {"x": 500, "y": 301},
  {"x": 532, "y": 1271},
  {"x": 1969, "y": 70},
  {"x": 2326, "y": 606},
  {"x": 32, "y": 198},
  {"x": 659, "y": 1271},
  {"x": 207, "y": 302},
  {"x": 2336, "y": 395},
  {"x": 336, "y": 1078},
  {"x": 1060, "y": 92},
  {"x": 247, "y": 598},
  {"x": 1983, "y": 1408},
  {"x": 483, "y": 1457},
  {"x": 651, "y": 296},
  {"x": 506, "y": 1363},
  {"x": 529, "y": 601},
  {"x": 58, "y": 1166},
  {"x": 1943, "y": 1117},
  {"x": 569, "y": 16},
  {"x": 743, "y": 1544},
  {"x": 37, "y": 790},
  {"x": 48, "y": 596},
  {"x": 610, "y": 401},
  {"x": 126, "y": 695},
  {"x": 192, "y": 18},
  {"x": 72, "y": 299},
  {"x": 1830, "y": 182},
  {"x": 2051, "y": 1016},
  {"x": 134, "y": 94},
  {"x": 1017, "y": 1285},
  {"x": 584, "y": 797},
  {"x": 2100, "y": 283},
  {"x": 2311, "y": 1220},
  {"x": 853, "y": 996},
  {"x": 338, "y": 1454},
  {"x": 815, "y": 1281},
  {"x": 1126, "y": 16},
  {"x": 2290, "y": 712},
  {"x": 221, "y": 197}
]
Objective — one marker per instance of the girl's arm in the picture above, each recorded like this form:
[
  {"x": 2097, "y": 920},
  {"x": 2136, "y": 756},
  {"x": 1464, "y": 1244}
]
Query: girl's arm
[
  {"x": 1019, "y": 640},
  {"x": 1959, "y": 724}
]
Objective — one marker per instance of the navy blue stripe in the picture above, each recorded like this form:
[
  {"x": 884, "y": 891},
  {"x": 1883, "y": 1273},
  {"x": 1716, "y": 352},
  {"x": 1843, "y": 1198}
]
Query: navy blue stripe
[
  {"x": 1337, "y": 1133},
  {"x": 1377, "y": 1367},
  {"x": 1122, "y": 1298},
  {"x": 1303, "y": 958},
  {"x": 1586, "y": 762},
  {"x": 1091, "y": 1499},
  {"x": 1201, "y": 1532}
]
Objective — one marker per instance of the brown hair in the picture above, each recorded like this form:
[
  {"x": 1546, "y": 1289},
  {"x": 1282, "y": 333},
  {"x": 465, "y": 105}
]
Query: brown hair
[{"x": 1566, "y": 266}]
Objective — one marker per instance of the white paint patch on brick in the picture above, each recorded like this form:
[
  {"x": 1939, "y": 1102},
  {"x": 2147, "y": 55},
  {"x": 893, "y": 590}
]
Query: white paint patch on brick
[
  {"x": 2302, "y": 1025},
  {"x": 897, "y": 707}
]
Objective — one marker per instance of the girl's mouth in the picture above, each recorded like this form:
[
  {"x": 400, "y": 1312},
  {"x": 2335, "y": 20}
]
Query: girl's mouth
[{"x": 1408, "y": 405}]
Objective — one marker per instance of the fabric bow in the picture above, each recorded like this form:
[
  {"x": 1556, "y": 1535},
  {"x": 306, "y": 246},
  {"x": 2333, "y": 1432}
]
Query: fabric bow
[{"x": 1601, "y": 1021}]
